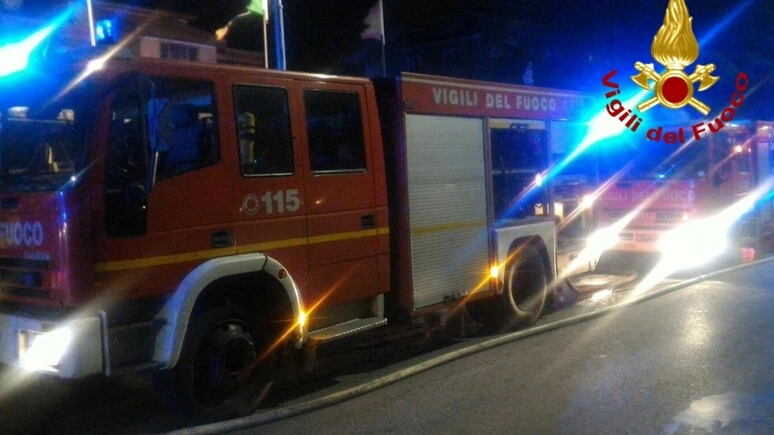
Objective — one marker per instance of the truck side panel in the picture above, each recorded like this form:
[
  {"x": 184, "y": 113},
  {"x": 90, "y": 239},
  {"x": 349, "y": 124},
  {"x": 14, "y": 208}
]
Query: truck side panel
[{"x": 448, "y": 206}]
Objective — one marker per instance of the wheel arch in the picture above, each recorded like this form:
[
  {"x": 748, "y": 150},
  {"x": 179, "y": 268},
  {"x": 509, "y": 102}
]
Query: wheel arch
[
  {"x": 540, "y": 233},
  {"x": 255, "y": 280}
]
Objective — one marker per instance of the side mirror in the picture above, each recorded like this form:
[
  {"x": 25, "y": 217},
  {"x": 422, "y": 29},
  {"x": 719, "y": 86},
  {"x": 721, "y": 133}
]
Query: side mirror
[{"x": 159, "y": 134}]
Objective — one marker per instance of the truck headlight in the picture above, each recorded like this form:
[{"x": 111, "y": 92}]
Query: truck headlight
[
  {"x": 602, "y": 239},
  {"x": 695, "y": 243},
  {"x": 42, "y": 351}
]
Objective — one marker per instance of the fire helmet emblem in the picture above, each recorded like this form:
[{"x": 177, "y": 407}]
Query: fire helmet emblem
[{"x": 675, "y": 47}]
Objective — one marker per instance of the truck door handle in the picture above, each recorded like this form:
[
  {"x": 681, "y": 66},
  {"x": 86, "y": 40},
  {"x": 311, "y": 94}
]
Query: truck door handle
[
  {"x": 221, "y": 239},
  {"x": 367, "y": 221}
]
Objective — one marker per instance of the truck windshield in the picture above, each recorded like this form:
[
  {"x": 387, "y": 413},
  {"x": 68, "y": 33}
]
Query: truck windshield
[
  {"x": 651, "y": 160},
  {"x": 42, "y": 132}
]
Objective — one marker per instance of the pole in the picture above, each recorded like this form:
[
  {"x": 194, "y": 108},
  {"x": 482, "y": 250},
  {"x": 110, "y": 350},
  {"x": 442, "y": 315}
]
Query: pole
[
  {"x": 90, "y": 10},
  {"x": 265, "y": 42},
  {"x": 384, "y": 41},
  {"x": 279, "y": 34}
]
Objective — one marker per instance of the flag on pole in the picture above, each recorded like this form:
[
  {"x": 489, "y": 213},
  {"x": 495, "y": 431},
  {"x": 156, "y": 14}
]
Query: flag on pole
[
  {"x": 260, "y": 7},
  {"x": 245, "y": 22},
  {"x": 528, "y": 78},
  {"x": 374, "y": 22}
]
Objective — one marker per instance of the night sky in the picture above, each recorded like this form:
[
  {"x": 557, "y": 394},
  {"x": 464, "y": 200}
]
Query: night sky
[
  {"x": 585, "y": 41},
  {"x": 612, "y": 33},
  {"x": 608, "y": 24}
]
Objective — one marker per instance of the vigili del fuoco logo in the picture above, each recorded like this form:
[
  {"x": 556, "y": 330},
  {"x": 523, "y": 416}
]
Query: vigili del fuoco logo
[{"x": 675, "y": 47}]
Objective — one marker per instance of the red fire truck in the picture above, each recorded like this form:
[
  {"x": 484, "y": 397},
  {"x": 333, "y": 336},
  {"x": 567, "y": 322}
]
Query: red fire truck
[
  {"x": 194, "y": 219},
  {"x": 690, "y": 200}
]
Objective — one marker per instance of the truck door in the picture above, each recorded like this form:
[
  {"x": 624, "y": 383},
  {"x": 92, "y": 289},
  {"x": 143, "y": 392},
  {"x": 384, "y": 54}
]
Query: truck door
[
  {"x": 269, "y": 187},
  {"x": 339, "y": 195},
  {"x": 181, "y": 220}
]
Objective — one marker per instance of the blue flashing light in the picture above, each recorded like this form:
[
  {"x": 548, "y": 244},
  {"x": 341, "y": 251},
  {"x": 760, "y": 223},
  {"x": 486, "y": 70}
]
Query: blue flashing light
[
  {"x": 16, "y": 56},
  {"x": 106, "y": 31}
]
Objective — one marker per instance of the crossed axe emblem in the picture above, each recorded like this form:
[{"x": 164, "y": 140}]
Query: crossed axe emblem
[{"x": 674, "y": 88}]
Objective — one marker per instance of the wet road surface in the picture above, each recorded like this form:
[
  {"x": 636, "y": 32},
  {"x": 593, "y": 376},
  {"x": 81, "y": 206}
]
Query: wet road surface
[
  {"x": 128, "y": 405},
  {"x": 692, "y": 361}
]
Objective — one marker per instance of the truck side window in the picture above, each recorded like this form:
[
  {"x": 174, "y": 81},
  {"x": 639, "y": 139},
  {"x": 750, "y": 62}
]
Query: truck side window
[
  {"x": 518, "y": 156},
  {"x": 335, "y": 129},
  {"x": 263, "y": 125},
  {"x": 190, "y": 122}
]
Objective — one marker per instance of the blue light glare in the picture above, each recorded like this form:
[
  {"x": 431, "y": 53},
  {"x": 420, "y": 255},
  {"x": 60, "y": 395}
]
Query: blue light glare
[
  {"x": 16, "y": 56},
  {"x": 602, "y": 126},
  {"x": 724, "y": 22}
]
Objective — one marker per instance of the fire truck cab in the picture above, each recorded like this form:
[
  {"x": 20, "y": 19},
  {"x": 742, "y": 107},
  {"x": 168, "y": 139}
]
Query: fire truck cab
[{"x": 188, "y": 219}]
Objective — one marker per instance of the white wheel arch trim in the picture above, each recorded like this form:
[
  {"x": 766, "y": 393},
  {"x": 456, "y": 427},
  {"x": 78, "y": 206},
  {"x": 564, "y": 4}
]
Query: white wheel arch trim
[{"x": 176, "y": 312}]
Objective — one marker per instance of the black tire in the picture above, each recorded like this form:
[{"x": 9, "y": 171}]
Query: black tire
[
  {"x": 523, "y": 297},
  {"x": 226, "y": 367},
  {"x": 525, "y": 287}
]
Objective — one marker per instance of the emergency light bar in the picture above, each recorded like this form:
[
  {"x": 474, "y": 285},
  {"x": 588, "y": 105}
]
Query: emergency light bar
[{"x": 107, "y": 32}]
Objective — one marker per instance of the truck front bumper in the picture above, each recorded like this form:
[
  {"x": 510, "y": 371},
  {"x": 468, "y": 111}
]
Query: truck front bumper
[{"x": 68, "y": 349}]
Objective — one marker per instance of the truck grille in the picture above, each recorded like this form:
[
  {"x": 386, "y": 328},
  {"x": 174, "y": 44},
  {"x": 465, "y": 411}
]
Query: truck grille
[
  {"x": 669, "y": 217},
  {"x": 23, "y": 278},
  {"x": 648, "y": 217}
]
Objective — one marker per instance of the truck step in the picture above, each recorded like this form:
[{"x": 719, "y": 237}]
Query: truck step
[
  {"x": 346, "y": 329},
  {"x": 137, "y": 368}
]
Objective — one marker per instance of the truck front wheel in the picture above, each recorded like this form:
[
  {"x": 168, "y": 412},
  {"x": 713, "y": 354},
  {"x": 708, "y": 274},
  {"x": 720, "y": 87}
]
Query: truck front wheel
[{"x": 225, "y": 369}]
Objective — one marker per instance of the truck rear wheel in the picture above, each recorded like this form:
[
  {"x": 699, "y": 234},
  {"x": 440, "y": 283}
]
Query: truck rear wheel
[
  {"x": 225, "y": 369},
  {"x": 525, "y": 287},
  {"x": 523, "y": 297}
]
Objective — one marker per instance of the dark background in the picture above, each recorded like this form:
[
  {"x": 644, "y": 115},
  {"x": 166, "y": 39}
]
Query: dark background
[{"x": 571, "y": 44}]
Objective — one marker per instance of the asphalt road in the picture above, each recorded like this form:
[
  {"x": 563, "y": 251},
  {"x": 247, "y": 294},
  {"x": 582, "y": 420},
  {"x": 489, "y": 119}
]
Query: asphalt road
[
  {"x": 693, "y": 361},
  {"x": 554, "y": 372}
]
